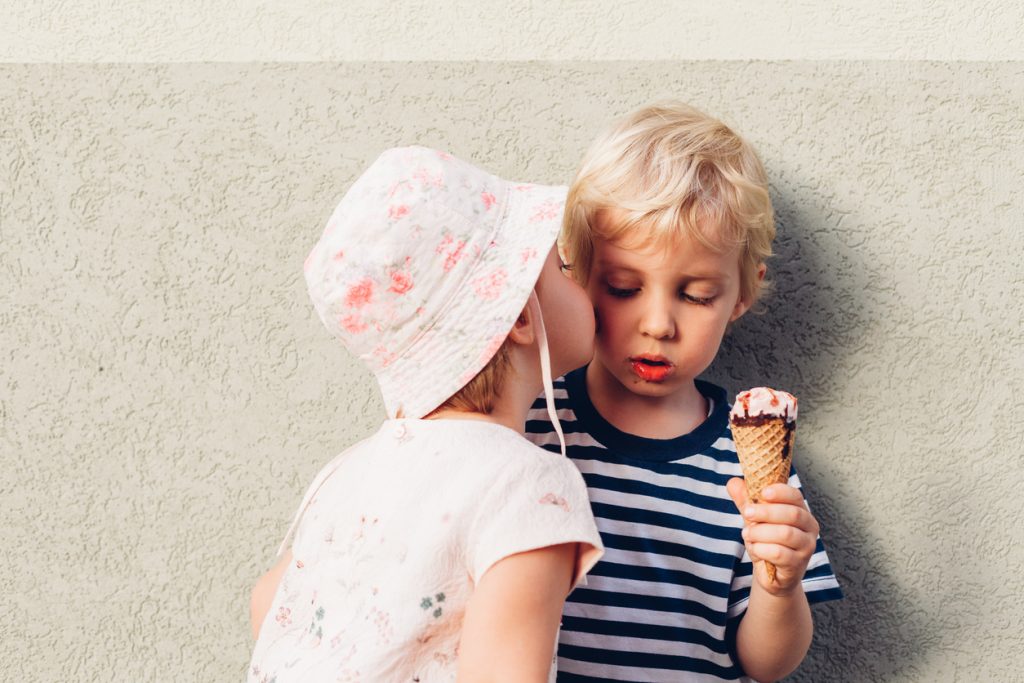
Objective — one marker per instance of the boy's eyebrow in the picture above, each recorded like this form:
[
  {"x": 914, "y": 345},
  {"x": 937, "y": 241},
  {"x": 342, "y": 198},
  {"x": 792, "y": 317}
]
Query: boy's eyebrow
[{"x": 710, "y": 276}]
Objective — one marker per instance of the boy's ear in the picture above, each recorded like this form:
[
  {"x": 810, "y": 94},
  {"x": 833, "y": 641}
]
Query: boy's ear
[
  {"x": 743, "y": 305},
  {"x": 523, "y": 331}
]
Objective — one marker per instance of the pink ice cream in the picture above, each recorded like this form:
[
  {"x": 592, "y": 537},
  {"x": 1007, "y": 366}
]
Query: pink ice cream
[{"x": 762, "y": 402}]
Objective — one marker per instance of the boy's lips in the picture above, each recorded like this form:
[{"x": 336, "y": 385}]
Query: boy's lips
[{"x": 651, "y": 368}]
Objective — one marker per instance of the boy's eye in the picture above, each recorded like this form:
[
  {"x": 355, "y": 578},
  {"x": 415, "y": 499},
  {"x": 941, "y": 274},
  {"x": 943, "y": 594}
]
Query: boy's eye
[
  {"x": 621, "y": 292},
  {"x": 566, "y": 268},
  {"x": 699, "y": 300}
]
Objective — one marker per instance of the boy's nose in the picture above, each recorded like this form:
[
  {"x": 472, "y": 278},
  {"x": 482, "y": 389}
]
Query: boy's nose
[{"x": 657, "y": 322}]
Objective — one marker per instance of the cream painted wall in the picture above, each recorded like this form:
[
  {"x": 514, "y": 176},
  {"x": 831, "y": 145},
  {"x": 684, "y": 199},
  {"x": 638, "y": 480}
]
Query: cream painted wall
[
  {"x": 168, "y": 392},
  {"x": 458, "y": 30}
]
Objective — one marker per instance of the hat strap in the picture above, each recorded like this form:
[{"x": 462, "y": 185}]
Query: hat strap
[{"x": 545, "y": 367}]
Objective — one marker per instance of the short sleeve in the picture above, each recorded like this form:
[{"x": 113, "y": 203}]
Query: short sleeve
[
  {"x": 820, "y": 583},
  {"x": 536, "y": 501}
]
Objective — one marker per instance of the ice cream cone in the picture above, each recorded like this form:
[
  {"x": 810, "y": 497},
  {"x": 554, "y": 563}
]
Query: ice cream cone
[{"x": 763, "y": 425}]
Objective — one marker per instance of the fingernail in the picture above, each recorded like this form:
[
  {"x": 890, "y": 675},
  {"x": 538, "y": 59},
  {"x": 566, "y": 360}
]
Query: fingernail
[{"x": 748, "y": 511}]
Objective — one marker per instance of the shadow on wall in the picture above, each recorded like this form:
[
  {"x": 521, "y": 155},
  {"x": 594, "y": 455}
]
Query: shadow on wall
[{"x": 813, "y": 322}]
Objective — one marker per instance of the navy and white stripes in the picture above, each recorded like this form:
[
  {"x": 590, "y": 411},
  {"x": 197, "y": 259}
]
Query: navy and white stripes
[{"x": 674, "y": 573}]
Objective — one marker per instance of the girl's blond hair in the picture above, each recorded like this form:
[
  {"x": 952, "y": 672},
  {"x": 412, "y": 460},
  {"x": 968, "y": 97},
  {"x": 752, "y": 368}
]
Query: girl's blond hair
[
  {"x": 481, "y": 392},
  {"x": 672, "y": 171}
]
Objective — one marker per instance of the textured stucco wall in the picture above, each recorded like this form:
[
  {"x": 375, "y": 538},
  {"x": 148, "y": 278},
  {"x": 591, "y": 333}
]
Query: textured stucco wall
[
  {"x": 411, "y": 30},
  {"x": 167, "y": 392}
]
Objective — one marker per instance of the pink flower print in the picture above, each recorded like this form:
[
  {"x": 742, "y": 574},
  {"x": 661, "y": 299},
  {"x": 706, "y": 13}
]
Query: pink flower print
[
  {"x": 382, "y": 620},
  {"x": 488, "y": 200},
  {"x": 528, "y": 254},
  {"x": 489, "y": 287},
  {"x": 444, "y": 155},
  {"x": 384, "y": 356},
  {"x": 453, "y": 250},
  {"x": 547, "y": 211},
  {"x": 284, "y": 617},
  {"x": 557, "y": 501},
  {"x": 340, "y": 255},
  {"x": 401, "y": 282},
  {"x": 397, "y": 211},
  {"x": 353, "y": 324},
  {"x": 359, "y": 294},
  {"x": 427, "y": 180}
]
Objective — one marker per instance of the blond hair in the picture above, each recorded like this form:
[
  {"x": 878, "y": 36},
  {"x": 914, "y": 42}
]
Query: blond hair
[
  {"x": 672, "y": 171},
  {"x": 480, "y": 393}
]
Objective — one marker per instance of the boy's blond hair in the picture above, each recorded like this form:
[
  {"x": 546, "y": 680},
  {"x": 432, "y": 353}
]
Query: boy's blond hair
[{"x": 672, "y": 171}]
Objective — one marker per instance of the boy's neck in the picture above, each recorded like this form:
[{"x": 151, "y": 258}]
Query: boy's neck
[{"x": 651, "y": 417}]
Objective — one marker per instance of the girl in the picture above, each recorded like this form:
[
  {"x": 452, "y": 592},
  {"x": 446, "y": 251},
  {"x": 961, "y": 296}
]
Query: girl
[{"x": 442, "y": 547}]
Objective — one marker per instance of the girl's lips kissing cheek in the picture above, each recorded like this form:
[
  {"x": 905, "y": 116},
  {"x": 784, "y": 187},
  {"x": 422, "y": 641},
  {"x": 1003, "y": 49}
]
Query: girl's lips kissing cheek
[{"x": 651, "y": 368}]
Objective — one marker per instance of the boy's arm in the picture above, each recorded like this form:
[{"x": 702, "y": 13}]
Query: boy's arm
[
  {"x": 776, "y": 629},
  {"x": 511, "y": 622},
  {"x": 263, "y": 593}
]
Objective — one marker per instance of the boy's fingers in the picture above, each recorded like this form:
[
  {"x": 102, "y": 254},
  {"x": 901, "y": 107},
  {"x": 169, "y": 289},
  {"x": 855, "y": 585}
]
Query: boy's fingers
[
  {"x": 781, "y": 535},
  {"x": 787, "y": 515},
  {"x": 737, "y": 489},
  {"x": 779, "y": 555},
  {"x": 783, "y": 493}
]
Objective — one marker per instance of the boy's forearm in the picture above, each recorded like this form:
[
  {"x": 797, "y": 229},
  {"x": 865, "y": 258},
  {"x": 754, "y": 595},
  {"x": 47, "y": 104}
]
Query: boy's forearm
[{"x": 774, "y": 634}]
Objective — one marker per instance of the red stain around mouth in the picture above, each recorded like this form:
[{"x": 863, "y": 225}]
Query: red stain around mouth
[{"x": 650, "y": 372}]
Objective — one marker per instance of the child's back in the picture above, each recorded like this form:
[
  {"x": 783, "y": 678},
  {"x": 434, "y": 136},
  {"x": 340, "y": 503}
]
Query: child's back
[
  {"x": 444, "y": 544},
  {"x": 394, "y": 540}
]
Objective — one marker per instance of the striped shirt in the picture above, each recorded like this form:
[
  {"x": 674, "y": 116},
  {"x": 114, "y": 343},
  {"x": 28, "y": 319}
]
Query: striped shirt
[{"x": 667, "y": 596}]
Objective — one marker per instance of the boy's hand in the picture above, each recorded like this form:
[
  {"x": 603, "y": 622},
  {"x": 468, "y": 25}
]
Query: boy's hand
[{"x": 779, "y": 529}]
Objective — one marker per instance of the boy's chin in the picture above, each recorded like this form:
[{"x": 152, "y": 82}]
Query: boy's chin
[{"x": 652, "y": 388}]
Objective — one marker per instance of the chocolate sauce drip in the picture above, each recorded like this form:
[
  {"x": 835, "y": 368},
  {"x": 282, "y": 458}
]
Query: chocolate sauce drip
[{"x": 758, "y": 420}]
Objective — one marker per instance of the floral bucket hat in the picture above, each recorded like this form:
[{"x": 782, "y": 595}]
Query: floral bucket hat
[{"x": 424, "y": 267}]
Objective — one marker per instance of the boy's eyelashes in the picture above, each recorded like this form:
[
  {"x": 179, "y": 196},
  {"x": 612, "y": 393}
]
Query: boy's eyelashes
[
  {"x": 626, "y": 292},
  {"x": 699, "y": 300}
]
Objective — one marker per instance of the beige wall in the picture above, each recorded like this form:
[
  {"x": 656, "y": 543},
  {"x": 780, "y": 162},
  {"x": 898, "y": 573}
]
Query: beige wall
[
  {"x": 458, "y": 30},
  {"x": 168, "y": 392}
]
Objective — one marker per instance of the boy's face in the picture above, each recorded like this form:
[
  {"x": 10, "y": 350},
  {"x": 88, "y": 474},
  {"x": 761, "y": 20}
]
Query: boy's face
[{"x": 661, "y": 312}]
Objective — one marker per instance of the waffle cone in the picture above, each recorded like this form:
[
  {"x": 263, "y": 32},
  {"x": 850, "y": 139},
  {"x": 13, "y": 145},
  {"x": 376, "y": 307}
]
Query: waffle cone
[{"x": 765, "y": 452}]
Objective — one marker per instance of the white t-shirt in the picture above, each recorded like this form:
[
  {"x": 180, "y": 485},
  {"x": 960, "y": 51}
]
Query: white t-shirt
[{"x": 396, "y": 533}]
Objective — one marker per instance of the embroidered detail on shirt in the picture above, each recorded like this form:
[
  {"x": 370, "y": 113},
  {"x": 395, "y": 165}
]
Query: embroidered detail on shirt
[
  {"x": 315, "y": 626},
  {"x": 557, "y": 501},
  {"x": 428, "y": 602}
]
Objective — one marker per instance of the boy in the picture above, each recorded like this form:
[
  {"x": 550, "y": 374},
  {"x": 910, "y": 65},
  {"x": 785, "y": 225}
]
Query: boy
[{"x": 668, "y": 225}]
